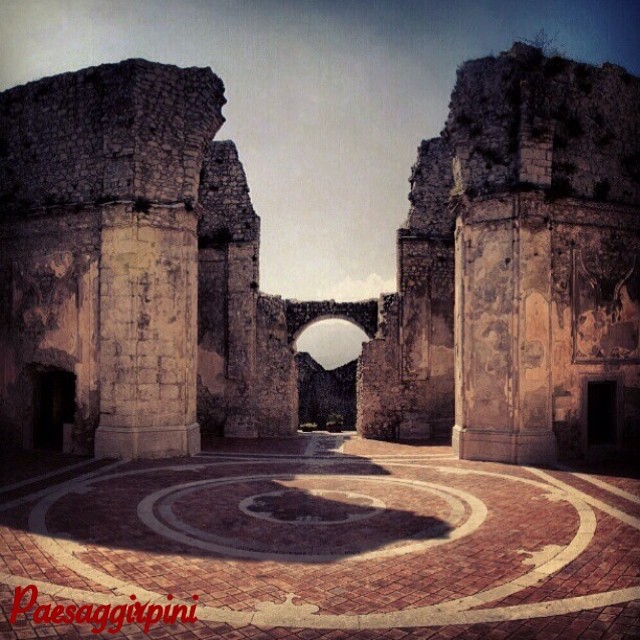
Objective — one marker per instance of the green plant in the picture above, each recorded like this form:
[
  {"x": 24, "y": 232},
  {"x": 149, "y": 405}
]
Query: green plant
[
  {"x": 307, "y": 427},
  {"x": 555, "y": 65},
  {"x": 560, "y": 188},
  {"x": 142, "y": 205},
  {"x": 546, "y": 43},
  {"x": 573, "y": 126},
  {"x": 601, "y": 190}
]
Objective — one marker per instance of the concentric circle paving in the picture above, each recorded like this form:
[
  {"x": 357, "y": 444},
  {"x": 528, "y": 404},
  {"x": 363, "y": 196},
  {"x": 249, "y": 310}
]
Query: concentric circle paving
[
  {"x": 437, "y": 518},
  {"x": 253, "y": 536}
]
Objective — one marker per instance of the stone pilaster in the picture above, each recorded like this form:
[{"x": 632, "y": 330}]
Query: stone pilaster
[
  {"x": 503, "y": 335},
  {"x": 242, "y": 296}
]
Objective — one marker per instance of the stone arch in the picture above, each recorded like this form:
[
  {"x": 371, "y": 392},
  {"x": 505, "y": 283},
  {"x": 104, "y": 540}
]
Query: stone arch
[{"x": 301, "y": 315}]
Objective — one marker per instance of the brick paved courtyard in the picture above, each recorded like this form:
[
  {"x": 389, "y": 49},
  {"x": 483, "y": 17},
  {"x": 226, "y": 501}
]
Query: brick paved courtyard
[{"x": 323, "y": 536}]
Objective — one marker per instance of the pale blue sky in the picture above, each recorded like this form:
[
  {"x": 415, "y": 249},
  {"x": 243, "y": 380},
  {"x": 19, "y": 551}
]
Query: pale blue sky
[{"x": 327, "y": 100}]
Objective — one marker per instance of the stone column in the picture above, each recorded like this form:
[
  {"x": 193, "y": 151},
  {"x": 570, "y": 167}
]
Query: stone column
[
  {"x": 503, "y": 337},
  {"x": 148, "y": 332}
]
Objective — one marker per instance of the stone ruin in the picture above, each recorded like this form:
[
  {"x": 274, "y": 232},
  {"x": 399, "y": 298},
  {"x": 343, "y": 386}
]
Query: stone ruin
[{"x": 131, "y": 317}]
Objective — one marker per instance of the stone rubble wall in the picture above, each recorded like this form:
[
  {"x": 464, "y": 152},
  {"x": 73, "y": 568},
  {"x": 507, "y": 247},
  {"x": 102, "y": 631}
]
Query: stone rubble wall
[
  {"x": 227, "y": 212},
  {"x": 212, "y": 344},
  {"x": 405, "y": 376},
  {"x": 246, "y": 368},
  {"x": 133, "y": 130},
  {"x": 228, "y": 238},
  {"x": 523, "y": 120},
  {"x": 276, "y": 389},
  {"x": 431, "y": 183}
]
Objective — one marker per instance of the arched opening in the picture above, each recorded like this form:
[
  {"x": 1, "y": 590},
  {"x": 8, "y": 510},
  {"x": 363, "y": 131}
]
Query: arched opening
[{"x": 327, "y": 358}]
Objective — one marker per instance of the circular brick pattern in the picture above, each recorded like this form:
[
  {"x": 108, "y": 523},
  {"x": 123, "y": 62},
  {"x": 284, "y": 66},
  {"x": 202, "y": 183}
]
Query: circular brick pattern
[
  {"x": 437, "y": 516},
  {"x": 303, "y": 509},
  {"x": 470, "y": 500}
]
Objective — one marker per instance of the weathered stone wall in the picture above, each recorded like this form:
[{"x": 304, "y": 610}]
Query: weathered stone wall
[
  {"x": 227, "y": 213},
  {"x": 522, "y": 119},
  {"x": 115, "y": 132},
  {"x": 212, "y": 339},
  {"x": 99, "y": 172},
  {"x": 276, "y": 407},
  {"x": 431, "y": 180},
  {"x": 246, "y": 370},
  {"x": 228, "y": 238},
  {"x": 405, "y": 380},
  {"x": 405, "y": 376},
  {"x": 322, "y": 392},
  {"x": 595, "y": 253},
  {"x": 148, "y": 330},
  {"x": 546, "y": 293}
]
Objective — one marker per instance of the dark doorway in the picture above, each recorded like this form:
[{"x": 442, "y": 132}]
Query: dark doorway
[
  {"x": 54, "y": 405},
  {"x": 601, "y": 412}
]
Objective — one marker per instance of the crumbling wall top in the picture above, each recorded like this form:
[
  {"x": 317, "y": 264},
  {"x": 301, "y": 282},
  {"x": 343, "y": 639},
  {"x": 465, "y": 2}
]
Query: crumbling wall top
[
  {"x": 525, "y": 120},
  {"x": 431, "y": 184},
  {"x": 125, "y": 131},
  {"x": 227, "y": 214}
]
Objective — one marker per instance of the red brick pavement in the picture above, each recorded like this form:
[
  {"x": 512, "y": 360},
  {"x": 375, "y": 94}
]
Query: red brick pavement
[{"x": 522, "y": 519}]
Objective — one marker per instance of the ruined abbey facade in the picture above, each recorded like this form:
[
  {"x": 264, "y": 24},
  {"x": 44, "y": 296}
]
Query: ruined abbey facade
[{"x": 131, "y": 316}]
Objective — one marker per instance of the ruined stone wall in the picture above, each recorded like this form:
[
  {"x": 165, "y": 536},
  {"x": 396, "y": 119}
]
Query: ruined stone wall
[
  {"x": 246, "y": 371},
  {"x": 546, "y": 296},
  {"x": 276, "y": 394},
  {"x": 227, "y": 212},
  {"x": 521, "y": 119},
  {"x": 228, "y": 236},
  {"x": 212, "y": 339},
  {"x": 99, "y": 172},
  {"x": 114, "y": 132},
  {"x": 405, "y": 380},
  {"x": 595, "y": 253},
  {"x": 388, "y": 406}
]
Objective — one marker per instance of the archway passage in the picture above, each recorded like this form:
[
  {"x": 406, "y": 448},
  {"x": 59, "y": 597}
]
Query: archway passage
[
  {"x": 327, "y": 362},
  {"x": 53, "y": 407},
  {"x": 300, "y": 315}
]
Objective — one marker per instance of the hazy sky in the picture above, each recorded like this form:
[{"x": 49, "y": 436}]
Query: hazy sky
[{"x": 327, "y": 100}]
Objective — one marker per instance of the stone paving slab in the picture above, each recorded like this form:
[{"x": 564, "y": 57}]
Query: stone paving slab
[{"x": 324, "y": 536}]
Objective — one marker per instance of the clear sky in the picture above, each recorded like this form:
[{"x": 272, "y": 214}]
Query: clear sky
[{"x": 327, "y": 100}]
